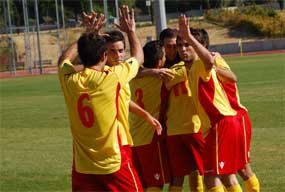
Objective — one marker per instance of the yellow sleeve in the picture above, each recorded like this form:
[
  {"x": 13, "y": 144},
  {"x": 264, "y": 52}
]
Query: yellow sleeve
[
  {"x": 126, "y": 70},
  {"x": 220, "y": 62},
  {"x": 180, "y": 75},
  {"x": 66, "y": 67},
  {"x": 201, "y": 71}
]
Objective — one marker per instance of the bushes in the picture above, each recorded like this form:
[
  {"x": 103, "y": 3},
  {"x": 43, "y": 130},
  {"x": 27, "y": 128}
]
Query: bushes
[
  {"x": 254, "y": 19},
  {"x": 257, "y": 10}
]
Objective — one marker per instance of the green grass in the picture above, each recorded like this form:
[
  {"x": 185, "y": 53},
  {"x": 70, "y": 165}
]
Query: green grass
[
  {"x": 261, "y": 84},
  {"x": 35, "y": 144},
  {"x": 35, "y": 138}
]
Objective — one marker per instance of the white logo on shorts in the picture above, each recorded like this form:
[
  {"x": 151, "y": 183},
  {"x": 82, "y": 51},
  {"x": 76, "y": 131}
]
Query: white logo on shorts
[
  {"x": 209, "y": 171},
  {"x": 156, "y": 176},
  {"x": 222, "y": 164}
]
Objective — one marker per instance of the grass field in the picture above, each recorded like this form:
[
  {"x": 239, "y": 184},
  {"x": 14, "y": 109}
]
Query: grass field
[{"x": 36, "y": 142}]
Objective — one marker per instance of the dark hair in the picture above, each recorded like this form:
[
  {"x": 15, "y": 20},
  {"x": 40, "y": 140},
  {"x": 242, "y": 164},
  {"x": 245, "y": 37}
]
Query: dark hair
[
  {"x": 115, "y": 36},
  {"x": 91, "y": 48},
  {"x": 152, "y": 53},
  {"x": 167, "y": 33},
  {"x": 201, "y": 35}
]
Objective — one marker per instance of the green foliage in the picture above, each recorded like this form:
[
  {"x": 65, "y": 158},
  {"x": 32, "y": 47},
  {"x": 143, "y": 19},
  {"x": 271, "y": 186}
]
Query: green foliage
[
  {"x": 2, "y": 17},
  {"x": 254, "y": 19},
  {"x": 14, "y": 11},
  {"x": 46, "y": 7},
  {"x": 130, "y": 3},
  {"x": 84, "y": 5},
  {"x": 256, "y": 10}
]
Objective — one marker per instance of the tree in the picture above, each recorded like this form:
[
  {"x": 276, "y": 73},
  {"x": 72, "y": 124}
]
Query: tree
[
  {"x": 16, "y": 8},
  {"x": 281, "y": 4},
  {"x": 130, "y": 3}
]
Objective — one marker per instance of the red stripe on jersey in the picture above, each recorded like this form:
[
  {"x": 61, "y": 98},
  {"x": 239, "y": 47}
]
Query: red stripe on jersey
[
  {"x": 206, "y": 92},
  {"x": 117, "y": 98},
  {"x": 164, "y": 94},
  {"x": 232, "y": 94}
]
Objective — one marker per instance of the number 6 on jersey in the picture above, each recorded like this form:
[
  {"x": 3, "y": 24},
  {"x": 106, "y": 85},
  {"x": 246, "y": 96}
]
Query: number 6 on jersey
[{"x": 85, "y": 112}]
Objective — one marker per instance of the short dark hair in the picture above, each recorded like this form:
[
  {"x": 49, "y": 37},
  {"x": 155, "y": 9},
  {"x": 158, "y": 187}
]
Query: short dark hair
[
  {"x": 91, "y": 48},
  {"x": 115, "y": 36},
  {"x": 167, "y": 33},
  {"x": 201, "y": 35},
  {"x": 152, "y": 53}
]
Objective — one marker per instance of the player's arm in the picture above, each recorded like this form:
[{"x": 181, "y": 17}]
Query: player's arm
[
  {"x": 92, "y": 23},
  {"x": 70, "y": 53},
  {"x": 128, "y": 25},
  {"x": 222, "y": 69},
  {"x": 179, "y": 75},
  {"x": 202, "y": 51},
  {"x": 162, "y": 73},
  {"x": 136, "y": 109},
  {"x": 225, "y": 74}
]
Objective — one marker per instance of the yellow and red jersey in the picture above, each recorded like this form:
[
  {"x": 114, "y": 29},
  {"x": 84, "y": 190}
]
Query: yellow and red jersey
[
  {"x": 146, "y": 92},
  {"x": 92, "y": 103},
  {"x": 229, "y": 87},
  {"x": 182, "y": 116},
  {"x": 123, "y": 115},
  {"x": 209, "y": 96}
]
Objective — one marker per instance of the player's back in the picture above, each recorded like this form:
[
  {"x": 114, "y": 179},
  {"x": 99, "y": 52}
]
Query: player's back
[
  {"x": 146, "y": 92},
  {"x": 91, "y": 97},
  {"x": 182, "y": 116},
  {"x": 230, "y": 88},
  {"x": 209, "y": 96}
]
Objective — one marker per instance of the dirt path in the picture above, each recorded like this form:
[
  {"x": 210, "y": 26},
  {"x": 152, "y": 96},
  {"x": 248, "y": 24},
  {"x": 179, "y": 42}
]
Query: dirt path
[{"x": 53, "y": 70}]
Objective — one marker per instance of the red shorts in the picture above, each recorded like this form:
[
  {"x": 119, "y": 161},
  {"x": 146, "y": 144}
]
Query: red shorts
[
  {"x": 245, "y": 135},
  {"x": 151, "y": 163},
  {"x": 185, "y": 153},
  {"x": 125, "y": 179},
  {"x": 222, "y": 147}
]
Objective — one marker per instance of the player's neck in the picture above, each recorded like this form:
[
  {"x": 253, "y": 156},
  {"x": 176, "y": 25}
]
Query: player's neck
[
  {"x": 189, "y": 63},
  {"x": 98, "y": 67}
]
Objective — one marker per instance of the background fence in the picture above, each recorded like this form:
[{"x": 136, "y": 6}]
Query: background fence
[{"x": 36, "y": 47}]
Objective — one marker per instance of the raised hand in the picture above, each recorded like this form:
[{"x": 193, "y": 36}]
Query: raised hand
[
  {"x": 184, "y": 30},
  {"x": 127, "y": 19},
  {"x": 93, "y": 22}
]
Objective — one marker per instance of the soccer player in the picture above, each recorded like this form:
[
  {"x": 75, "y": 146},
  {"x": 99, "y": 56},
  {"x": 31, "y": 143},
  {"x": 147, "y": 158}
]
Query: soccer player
[
  {"x": 230, "y": 87},
  {"x": 183, "y": 124},
  {"x": 100, "y": 163},
  {"x": 184, "y": 139},
  {"x": 219, "y": 119},
  {"x": 149, "y": 150},
  {"x": 116, "y": 47},
  {"x": 168, "y": 38},
  {"x": 185, "y": 142}
]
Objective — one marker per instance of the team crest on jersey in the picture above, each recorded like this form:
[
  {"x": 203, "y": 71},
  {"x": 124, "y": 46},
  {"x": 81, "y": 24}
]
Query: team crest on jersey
[
  {"x": 222, "y": 164},
  {"x": 156, "y": 176},
  {"x": 130, "y": 62}
]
